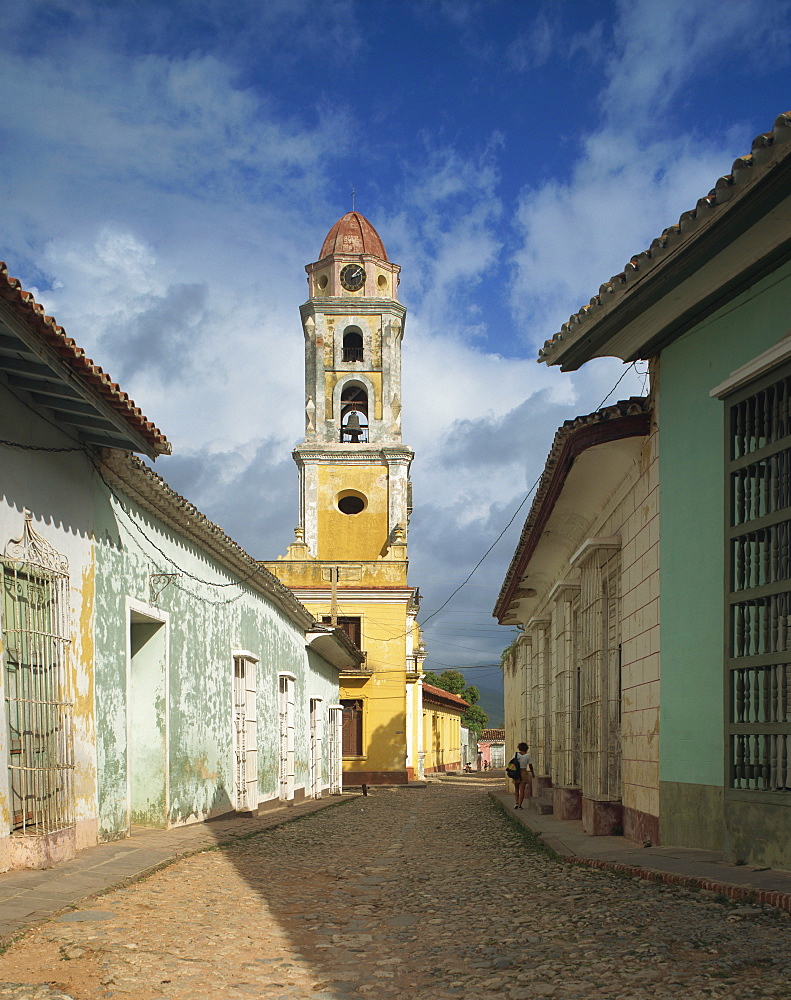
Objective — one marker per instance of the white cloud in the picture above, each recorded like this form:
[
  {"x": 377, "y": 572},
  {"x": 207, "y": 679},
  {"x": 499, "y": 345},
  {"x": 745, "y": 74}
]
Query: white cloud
[
  {"x": 659, "y": 47},
  {"x": 621, "y": 194},
  {"x": 634, "y": 173},
  {"x": 533, "y": 48}
]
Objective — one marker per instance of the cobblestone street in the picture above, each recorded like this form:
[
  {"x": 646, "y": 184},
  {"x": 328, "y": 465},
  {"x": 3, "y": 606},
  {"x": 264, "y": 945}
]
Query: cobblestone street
[{"x": 421, "y": 893}]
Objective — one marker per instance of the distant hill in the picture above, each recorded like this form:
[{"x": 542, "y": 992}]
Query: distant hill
[
  {"x": 492, "y": 703},
  {"x": 489, "y": 682}
]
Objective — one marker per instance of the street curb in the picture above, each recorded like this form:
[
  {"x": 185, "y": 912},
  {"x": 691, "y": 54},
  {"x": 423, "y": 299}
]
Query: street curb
[{"x": 737, "y": 893}]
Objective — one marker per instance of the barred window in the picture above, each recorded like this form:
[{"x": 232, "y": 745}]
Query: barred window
[
  {"x": 758, "y": 585},
  {"x": 38, "y": 710}
]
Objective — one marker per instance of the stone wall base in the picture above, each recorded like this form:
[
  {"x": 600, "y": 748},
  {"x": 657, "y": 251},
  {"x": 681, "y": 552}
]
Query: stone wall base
[
  {"x": 567, "y": 803},
  {"x": 444, "y": 768},
  {"x": 352, "y": 779},
  {"x": 641, "y": 827},
  {"x": 541, "y": 783},
  {"x": 38, "y": 852},
  {"x": 602, "y": 819}
]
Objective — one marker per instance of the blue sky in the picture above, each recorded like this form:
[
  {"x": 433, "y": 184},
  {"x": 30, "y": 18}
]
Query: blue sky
[{"x": 169, "y": 169}]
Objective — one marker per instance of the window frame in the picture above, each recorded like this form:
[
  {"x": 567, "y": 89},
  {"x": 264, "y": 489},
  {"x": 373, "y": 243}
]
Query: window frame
[
  {"x": 753, "y": 670},
  {"x": 42, "y": 776}
]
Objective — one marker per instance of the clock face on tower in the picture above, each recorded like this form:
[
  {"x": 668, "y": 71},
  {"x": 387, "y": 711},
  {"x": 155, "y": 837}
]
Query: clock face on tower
[{"x": 353, "y": 277}]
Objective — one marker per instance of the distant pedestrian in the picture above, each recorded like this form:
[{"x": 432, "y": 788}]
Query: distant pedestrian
[
  {"x": 486, "y": 765},
  {"x": 525, "y": 763}
]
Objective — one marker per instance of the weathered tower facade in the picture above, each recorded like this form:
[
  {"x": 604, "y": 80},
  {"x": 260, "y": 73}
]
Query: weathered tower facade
[{"x": 348, "y": 564}]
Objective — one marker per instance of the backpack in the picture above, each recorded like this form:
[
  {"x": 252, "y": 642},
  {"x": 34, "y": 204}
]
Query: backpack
[{"x": 513, "y": 770}]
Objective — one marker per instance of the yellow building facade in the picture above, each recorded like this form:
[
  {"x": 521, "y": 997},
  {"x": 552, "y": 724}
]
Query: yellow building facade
[
  {"x": 348, "y": 563},
  {"x": 442, "y": 712}
]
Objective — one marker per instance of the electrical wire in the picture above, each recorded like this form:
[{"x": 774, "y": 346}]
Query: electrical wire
[{"x": 623, "y": 376}]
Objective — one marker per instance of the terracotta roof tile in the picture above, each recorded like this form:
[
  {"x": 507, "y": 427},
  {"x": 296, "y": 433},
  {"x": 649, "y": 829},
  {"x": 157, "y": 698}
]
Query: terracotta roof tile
[
  {"x": 767, "y": 149},
  {"x": 32, "y": 314},
  {"x": 440, "y": 694}
]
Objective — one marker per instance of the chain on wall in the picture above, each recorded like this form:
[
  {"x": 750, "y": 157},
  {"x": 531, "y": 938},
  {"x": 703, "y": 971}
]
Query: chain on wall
[{"x": 39, "y": 711}]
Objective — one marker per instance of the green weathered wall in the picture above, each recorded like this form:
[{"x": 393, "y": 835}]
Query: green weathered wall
[
  {"x": 204, "y": 624},
  {"x": 322, "y": 683},
  {"x": 691, "y": 815},
  {"x": 691, "y": 456}
]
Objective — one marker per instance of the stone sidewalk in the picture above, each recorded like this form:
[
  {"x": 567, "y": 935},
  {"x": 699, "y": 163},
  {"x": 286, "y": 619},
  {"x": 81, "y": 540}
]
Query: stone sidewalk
[
  {"x": 682, "y": 866},
  {"x": 28, "y": 897}
]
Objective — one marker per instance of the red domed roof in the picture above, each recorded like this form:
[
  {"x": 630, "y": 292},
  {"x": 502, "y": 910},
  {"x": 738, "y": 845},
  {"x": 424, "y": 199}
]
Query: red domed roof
[{"x": 353, "y": 233}]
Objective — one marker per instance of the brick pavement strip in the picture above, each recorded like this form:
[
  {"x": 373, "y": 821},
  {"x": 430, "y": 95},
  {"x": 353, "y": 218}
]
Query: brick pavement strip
[{"x": 433, "y": 893}]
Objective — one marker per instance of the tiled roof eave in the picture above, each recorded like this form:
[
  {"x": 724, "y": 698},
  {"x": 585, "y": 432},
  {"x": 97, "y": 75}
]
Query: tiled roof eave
[
  {"x": 447, "y": 699},
  {"x": 145, "y": 487},
  {"x": 70, "y": 361},
  {"x": 623, "y": 419},
  {"x": 770, "y": 151}
]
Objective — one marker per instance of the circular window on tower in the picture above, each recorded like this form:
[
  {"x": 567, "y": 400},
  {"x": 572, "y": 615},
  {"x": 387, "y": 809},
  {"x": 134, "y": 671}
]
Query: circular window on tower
[{"x": 351, "y": 502}]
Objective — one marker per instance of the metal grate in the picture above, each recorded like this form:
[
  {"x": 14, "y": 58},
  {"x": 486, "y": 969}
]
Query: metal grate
[
  {"x": 600, "y": 680},
  {"x": 565, "y": 767},
  {"x": 758, "y": 596},
  {"x": 39, "y": 711}
]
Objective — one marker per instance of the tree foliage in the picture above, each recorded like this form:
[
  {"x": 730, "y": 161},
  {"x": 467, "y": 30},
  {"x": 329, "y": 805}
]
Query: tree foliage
[
  {"x": 453, "y": 681},
  {"x": 475, "y": 719}
]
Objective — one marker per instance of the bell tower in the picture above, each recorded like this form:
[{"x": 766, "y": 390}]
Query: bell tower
[
  {"x": 348, "y": 564},
  {"x": 354, "y": 470}
]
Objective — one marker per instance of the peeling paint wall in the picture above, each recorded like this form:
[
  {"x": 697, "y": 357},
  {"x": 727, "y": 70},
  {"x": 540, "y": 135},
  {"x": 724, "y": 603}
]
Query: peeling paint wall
[{"x": 207, "y": 617}]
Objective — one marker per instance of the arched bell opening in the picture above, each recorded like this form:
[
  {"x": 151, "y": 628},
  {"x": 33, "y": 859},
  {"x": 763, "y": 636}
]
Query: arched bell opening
[
  {"x": 352, "y": 344},
  {"x": 354, "y": 414}
]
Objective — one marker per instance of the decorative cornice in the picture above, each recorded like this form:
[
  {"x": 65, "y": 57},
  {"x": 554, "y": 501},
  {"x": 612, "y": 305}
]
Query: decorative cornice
[
  {"x": 776, "y": 355},
  {"x": 593, "y": 545},
  {"x": 352, "y": 454},
  {"x": 332, "y": 306},
  {"x": 346, "y": 595},
  {"x": 564, "y": 590}
]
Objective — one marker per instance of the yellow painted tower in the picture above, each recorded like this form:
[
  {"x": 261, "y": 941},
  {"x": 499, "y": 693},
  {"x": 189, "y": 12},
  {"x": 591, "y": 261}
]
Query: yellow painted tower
[{"x": 348, "y": 564}]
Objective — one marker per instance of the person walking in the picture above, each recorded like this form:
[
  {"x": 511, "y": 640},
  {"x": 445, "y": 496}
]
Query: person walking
[{"x": 525, "y": 762}]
